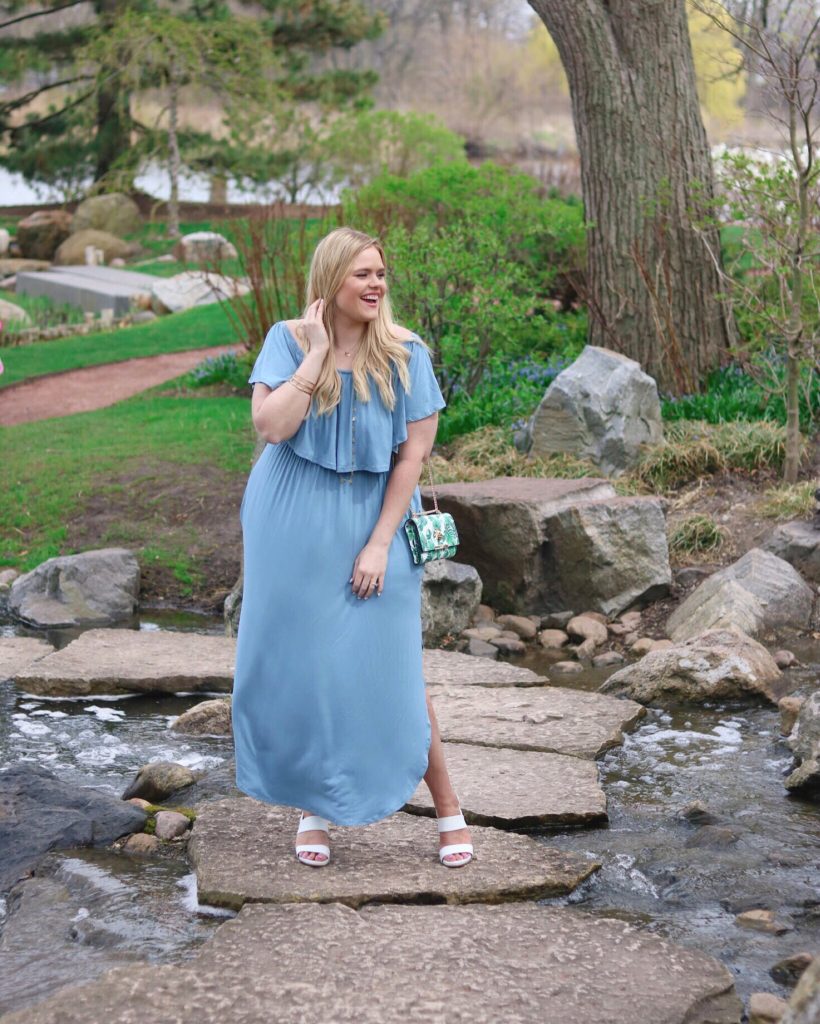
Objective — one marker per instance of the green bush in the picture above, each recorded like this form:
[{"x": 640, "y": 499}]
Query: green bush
[{"x": 696, "y": 533}]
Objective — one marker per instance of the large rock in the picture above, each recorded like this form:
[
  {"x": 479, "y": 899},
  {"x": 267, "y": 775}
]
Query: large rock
[
  {"x": 602, "y": 408},
  {"x": 804, "y": 741},
  {"x": 719, "y": 664},
  {"x": 72, "y": 250},
  {"x": 115, "y": 213},
  {"x": 452, "y": 668},
  {"x": 797, "y": 543},
  {"x": 759, "y": 594},
  {"x": 40, "y": 234},
  {"x": 540, "y": 545},
  {"x": 18, "y": 652},
  {"x": 450, "y": 596},
  {"x": 74, "y": 590},
  {"x": 39, "y": 812},
  {"x": 11, "y": 314},
  {"x": 204, "y": 247},
  {"x": 519, "y": 963},
  {"x": 550, "y": 718},
  {"x": 130, "y": 660},
  {"x": 194, "y": 288},
  {"x": 519, "y": 789},
  {"x": 235, "y": 844},
  {"x": 158, "y": 780},
  {"x": 208, "y": 718},
  {"x": 804, "y": 1005}
]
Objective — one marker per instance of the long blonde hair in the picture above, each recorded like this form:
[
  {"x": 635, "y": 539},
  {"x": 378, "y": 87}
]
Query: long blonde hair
[{"x": 379, "y": 351}]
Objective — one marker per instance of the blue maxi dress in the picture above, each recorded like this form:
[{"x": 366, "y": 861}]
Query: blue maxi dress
[{"x": 329, "y": 710}]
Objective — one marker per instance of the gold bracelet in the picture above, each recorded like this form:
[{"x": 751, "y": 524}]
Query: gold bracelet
[
  {"x": 303, "y": 380},
  {"x": 300, "y": 386}
]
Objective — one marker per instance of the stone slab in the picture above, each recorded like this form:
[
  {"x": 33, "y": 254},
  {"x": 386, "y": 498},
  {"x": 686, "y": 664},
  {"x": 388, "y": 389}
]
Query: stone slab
[
  {"x": 551, "y": 719},
  {"x": 128, "y": 660},
  {"x": 111, "y": 275},
  {"x": 82, "y": 290},
  {"x": 242, "y": 852},
  {"x": 519, "y": 788},
  {"x": 18, "y": 652},
  {"x": 517, "y": 963},
  {"x": 451, "y": 668}
]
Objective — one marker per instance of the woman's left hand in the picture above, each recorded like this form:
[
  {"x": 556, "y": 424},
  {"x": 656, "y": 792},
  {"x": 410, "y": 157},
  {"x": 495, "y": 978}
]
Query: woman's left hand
[{"x": 368, "y": 571}]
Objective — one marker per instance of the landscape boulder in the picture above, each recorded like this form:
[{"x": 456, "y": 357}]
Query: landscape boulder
[
  {"x": 73, "y": 590},
  {"x": 602, "y": 408},
  {"x": 204, "y": 247},
  {"x": 804, "y": 741},
  {"x": 543, "y": 545},
  {"x": 193, "y": 288},
  {"x": 72, "y": 250},
  {"x": 40, "y": 234},
  {"x": 158, "y": 780},
  {"x": 114, "y": 213},
  {"x": 759, "y": 594},
  {"x": 798, "y": 543},
  {"x": 5, "y": 238},
  {"x": 10, "y": 313},
  {"x": 208, "y": 718},
  {"x": 804, "y": 1005},
  {"x": 40, "y": 812},
  {"x": 719, "y": 664},
  {"x": 450, "y": 596}
]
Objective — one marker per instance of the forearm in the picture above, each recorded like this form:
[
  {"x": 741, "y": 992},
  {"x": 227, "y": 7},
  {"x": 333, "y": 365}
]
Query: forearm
[
  {"x": 281, "y": 413},
  {"x": 402, "y": 482}
]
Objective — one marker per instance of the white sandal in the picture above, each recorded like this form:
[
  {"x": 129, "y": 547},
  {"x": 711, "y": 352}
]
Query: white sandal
[
  {"x": 450, "y": 824},
  {"x": 313, "y": 823}
]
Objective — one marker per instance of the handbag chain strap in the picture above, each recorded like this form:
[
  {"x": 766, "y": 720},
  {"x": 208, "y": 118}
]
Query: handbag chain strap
[{"x": 433, "y": 488}]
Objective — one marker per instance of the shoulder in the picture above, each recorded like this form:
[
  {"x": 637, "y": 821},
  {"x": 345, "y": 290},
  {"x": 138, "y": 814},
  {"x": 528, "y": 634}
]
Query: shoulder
[{"x": 402, "y": 333}]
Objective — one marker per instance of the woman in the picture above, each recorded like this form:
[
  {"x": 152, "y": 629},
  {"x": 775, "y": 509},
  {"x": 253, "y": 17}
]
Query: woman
[{"x": 329, "y": 709}]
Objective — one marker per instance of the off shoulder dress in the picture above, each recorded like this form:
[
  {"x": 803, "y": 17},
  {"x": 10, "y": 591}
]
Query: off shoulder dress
[{"x": 329, "y": 710}]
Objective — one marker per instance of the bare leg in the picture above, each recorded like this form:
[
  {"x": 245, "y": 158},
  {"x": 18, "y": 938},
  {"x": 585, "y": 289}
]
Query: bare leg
[{"x": 441, "y": 788}]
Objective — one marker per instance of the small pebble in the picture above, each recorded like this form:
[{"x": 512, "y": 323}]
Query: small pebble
[
  {"x": 784, "y": 659},
  {"x": 762, "y": 921},
  {"x": 566, "y": 667},
  {"x": 553, "y": 639}
]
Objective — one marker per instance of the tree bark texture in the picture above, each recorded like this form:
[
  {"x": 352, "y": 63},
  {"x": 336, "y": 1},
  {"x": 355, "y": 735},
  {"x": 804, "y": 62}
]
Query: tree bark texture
[
  {"x": 113, "y": 115},
  {"x": 652, "y": 287}
]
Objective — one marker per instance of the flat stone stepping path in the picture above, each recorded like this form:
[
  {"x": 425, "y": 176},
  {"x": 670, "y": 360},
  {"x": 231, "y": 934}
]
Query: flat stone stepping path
[
  {"x": 242, "y": 851},
  {"x": 451, "y": 668},
  {"x": 106, "y": 661},
  {"x": 551, "y": 718},
  {"x": 519, "y": 788},
  {"x": 18, "y": 652},
  {"x": 94, "y": 387},
  {"x": 484, "y": 964}
]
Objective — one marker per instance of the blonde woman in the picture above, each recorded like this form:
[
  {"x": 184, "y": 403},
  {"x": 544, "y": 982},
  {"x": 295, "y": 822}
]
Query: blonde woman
[{"x": 330, "y": 713}]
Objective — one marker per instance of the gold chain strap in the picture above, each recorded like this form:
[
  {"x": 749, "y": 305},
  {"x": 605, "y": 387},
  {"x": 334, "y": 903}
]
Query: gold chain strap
[{"x": 433, "y": 487}]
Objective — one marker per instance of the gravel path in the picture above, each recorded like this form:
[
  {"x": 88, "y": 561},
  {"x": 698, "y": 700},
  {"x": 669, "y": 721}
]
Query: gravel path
[{"x": 94, "y": 387}]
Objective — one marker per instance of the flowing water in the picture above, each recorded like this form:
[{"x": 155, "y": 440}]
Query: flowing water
[{"x": 90, "y": 910}]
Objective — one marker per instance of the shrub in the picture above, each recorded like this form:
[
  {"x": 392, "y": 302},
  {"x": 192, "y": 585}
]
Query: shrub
[
  {"x": 696, "y": 533},
  {"x": 227, "y": 368},
  {"x": 790, "y": 501}
]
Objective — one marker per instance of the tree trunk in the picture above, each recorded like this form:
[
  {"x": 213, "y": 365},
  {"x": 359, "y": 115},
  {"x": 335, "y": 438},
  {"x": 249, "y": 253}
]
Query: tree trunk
[
  {"x": 652, "y": 288},
  {"x": 174, "y": 162},
  {"x": 113, "y": 117}
]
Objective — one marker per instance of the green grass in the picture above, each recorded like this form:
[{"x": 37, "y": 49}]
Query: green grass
[
  {"x": 789, "y": 501},
  {"x": 50, "y": 468},
  {"x": 200, "y": 327},
  {"x": 697, "y": 532}
]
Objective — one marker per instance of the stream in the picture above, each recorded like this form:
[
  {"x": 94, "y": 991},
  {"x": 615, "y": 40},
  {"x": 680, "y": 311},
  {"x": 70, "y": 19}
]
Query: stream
[{"x": 89, "y": 910}]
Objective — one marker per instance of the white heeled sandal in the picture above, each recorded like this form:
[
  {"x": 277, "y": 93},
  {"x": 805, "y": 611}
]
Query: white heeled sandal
[
  {"x": 313, "y": 823},
  {"x": 450, "y": 824}
]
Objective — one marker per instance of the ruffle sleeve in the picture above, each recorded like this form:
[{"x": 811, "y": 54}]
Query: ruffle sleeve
[
  {"x": 424, "y": 397},
  {"x": 278, "y": 358}
]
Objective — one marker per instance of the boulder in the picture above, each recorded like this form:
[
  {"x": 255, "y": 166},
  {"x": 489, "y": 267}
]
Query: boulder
[
  {"x": 5, "y": 238},
  {"x": 18, "y": 652},
  {"x": 584, "y": 627},
  {"x": 40, "y": 812},
  {"x": 171, "y": 824},
  {"x": 204, "y": 247},
  {"x": 804, "y": 1005},
  {"x": 194, "y": 288},
  {"x": 766, "y": 1008},
  {"x": 115, "y": 213},
  {"x": 804, "y": 741},
  {"x": 208, "y": 718},
  {"x": 543, "y": 545},
  {"x": 450, "y": 596},
  {"x": 601, "y": 408},
  {"x": 13, "y": 314},
  {"x": 40, "y": 234},
  {"x": 72, "y": 250},
  {"x": 797, "y": 543},
  {"x": 759, "y": 594},
  {"x": 73, "y": 590},
  {"x": 10, "y": 266},
  {"x": 523, "y": 627},
  {"x": 721, "y": 664},
  {"x": 158, "y": 780}
]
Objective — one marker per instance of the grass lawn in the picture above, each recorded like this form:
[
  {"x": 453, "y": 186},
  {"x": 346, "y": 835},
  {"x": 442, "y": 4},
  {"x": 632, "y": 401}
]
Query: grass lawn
[
  {"x": 200, "y": 327},
  {"x": 161, "y": 474}
]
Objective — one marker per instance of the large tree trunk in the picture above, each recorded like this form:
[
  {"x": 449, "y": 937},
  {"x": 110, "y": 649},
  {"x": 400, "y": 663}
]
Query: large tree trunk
[
  {"x": 652, "y": 286},
  {"x": 113, "y": 115}
]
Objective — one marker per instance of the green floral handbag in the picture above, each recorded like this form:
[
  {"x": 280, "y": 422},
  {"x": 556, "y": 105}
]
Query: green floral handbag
[{"x": 431, "y": 534}]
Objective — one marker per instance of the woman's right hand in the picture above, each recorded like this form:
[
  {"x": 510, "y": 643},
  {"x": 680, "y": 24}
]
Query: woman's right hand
[{"x": 314, "y": 327}]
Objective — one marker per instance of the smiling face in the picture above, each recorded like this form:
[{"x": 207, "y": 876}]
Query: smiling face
[{"x": 364, "y": 287}]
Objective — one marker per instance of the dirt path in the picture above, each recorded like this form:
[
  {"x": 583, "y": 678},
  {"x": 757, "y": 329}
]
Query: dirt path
[{"x": 94, "y": 387}]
